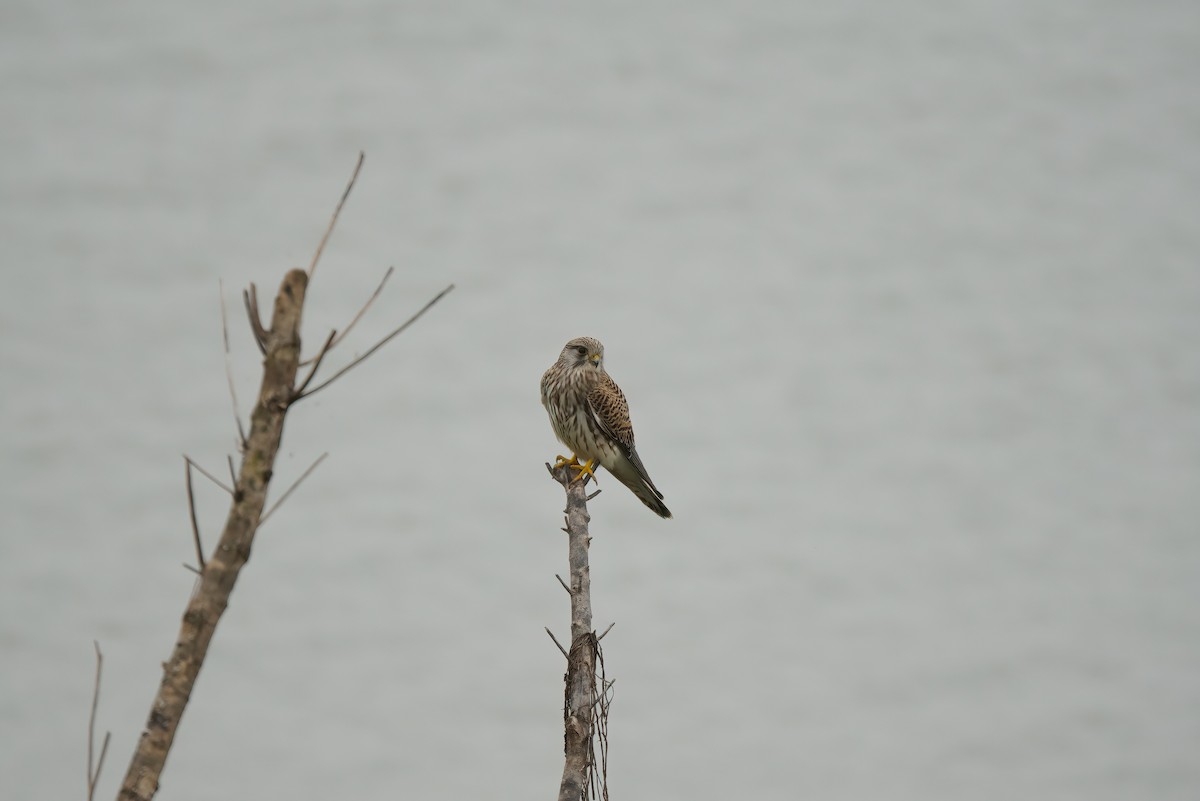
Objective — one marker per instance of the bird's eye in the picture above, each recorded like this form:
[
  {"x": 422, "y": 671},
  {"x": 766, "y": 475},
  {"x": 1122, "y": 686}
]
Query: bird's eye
[{"x": 581, "y": 350}]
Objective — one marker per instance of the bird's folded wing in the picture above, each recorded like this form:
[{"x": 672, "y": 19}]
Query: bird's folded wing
[{"x": 610, "y": 410}]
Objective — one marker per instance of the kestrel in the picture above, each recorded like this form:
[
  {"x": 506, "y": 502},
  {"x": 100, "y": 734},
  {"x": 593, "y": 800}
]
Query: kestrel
[{"x": 590, "y": 415}]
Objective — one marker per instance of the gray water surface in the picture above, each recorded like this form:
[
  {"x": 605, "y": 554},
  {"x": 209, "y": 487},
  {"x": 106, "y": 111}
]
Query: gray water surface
[{"x": 904, "y": 298}]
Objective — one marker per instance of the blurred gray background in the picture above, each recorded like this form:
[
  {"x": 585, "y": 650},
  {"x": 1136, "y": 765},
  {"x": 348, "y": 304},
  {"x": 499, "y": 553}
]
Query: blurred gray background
[{"x": 904, "y": 297}]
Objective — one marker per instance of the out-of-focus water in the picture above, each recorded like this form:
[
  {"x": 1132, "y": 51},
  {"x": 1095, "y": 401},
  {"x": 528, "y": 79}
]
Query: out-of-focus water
[{"x": 904, "y": 298}]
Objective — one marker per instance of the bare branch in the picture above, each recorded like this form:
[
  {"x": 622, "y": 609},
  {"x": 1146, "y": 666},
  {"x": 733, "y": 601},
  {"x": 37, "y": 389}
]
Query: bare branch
[
  {"x": 593, "y": 495},
  {"x": 281, "y": 345},
  {"x": 229, "y": 369},
  {"x": 580, "y": 723},
  {"x": 250, "y": 299},
  {"x": 187, "y": 472},
  {"x": 295, "y": 484},
  {"x": 377, "y": 345},
  {"x": 94, "y": 767},
  {"x": 312, "y": 268},
  {"x": 208, "y": 475},
  {"x": 232, "y": 473},
  {"x": 329, "y": 342},
  {"x": 210, "y": 598},
  {"x": 357, "y": 317},
  {"x": 195, "y": 570},
  {"x": 559, "y": 644},
  {"x": 563, "y": 583},
  {"x": 606, "y": 631}
]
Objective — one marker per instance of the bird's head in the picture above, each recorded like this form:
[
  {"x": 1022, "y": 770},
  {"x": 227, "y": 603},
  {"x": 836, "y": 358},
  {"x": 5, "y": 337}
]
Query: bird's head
[{"x": 583, "y": 352}]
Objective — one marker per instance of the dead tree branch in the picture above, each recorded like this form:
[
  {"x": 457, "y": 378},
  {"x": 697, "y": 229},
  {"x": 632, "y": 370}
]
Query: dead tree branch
[
  {"x": 220, "y": 574},
  {"x": 376, "y": 346},
  {"x": 259, "y": 446},
  {"x": 581, "y": 701},
  {"x": 339, "y": 336}
]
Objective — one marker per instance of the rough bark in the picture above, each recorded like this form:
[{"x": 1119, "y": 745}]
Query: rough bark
[
  {"x": 220, "y": 572},
  {"x": 580, "y": 695}
]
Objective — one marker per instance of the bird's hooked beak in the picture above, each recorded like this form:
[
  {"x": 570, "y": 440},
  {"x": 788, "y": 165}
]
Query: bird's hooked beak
[{"x": 595, "y": 359}]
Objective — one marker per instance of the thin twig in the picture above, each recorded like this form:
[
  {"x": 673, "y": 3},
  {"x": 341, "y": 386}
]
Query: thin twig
[
  {"x": 312, "y": 268},
  {"x": 556, "y": 642},
  {"x": 329, "y": 341},
  {"x": 606, "y": 631},
  {"x": 207, "y": 474},
  {"x": 603, "y": 700},
  {"x": 229, "y": 369},
  {"x": 295, "y": 484},
  {"x": 186, "y": 566},
  {"x": 232, "y": 474},
  {"x": 250, "y": 299},
  {"x": 593, "y": 495},
  {"x": 94, "y": 768},
  {"x": 224, "y": 321},
  {"x": 357, "y": 317},
  {"x": 563, "y": 583},
  {"x": 377, "y": 345},
  {"x": 187, "y": 471}
]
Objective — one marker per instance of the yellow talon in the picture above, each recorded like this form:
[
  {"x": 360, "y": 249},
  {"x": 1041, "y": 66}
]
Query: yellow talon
[
  {"x": 573, "y": 463},
  {"x": 584, "y": 469},
  {"x": 562, "y": 460}
]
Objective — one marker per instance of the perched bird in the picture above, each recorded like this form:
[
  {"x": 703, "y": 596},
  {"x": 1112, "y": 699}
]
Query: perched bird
[{"x": 590, "y": 415}]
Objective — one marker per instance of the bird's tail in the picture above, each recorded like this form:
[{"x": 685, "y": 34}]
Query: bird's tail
[
  {"x": 651, "y": 500},
  {"x": 640, "y": 485}
]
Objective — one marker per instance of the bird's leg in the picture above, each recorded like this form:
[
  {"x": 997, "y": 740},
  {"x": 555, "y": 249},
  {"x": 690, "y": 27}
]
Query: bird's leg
[{"x": 584, "y": 469}]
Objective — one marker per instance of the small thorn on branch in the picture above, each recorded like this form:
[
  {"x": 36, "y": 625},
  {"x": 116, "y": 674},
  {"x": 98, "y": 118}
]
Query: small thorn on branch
[
  {"x": 329, "y": 341},
  {"x": 295, "y": 484},
  {"x": 207, "y": 474},
  {"x": 187, "y": 472},
  {"x": 556, "y": 642},
  {"x": 250, "y": 299},
  {"x": 94, "y": 767},
  {"x": 229, "y": 370}
]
